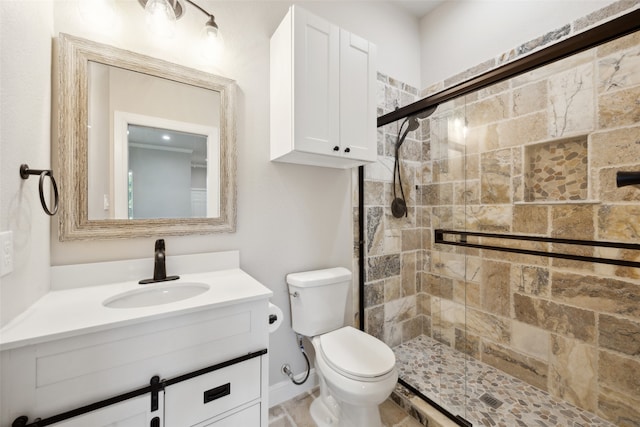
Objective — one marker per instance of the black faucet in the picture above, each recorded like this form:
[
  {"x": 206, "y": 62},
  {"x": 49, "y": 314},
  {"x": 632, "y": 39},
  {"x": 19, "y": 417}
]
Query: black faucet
[{"x": 159, "y": 266}]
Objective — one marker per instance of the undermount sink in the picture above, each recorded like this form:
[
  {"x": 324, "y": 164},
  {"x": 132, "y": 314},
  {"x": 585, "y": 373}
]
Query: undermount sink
[{"x": 156, "y": 294}]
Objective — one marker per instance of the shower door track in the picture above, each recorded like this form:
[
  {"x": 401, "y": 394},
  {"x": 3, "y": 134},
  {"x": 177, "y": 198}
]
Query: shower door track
[
  {"x": 440, "y": 233},
  {"x": 611, "y": 30}
]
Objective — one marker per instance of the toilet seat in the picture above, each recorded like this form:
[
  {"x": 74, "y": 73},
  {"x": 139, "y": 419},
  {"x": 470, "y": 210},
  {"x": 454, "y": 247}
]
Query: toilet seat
[{"x": 356, "y": 354}]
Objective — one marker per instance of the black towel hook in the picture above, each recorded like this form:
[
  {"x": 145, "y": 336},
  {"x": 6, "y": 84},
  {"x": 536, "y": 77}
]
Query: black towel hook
[{"x": 25, "y": 172}]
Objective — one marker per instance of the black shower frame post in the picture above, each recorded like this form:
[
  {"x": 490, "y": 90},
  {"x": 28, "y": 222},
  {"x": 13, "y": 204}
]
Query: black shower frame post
[{"x": 606, "y": 32}]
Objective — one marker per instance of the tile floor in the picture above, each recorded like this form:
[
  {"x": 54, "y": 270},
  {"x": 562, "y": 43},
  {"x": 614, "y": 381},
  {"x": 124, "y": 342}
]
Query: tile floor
[
  {"x": 446, "y": 370},
  {"x": 295, "y": 413}
]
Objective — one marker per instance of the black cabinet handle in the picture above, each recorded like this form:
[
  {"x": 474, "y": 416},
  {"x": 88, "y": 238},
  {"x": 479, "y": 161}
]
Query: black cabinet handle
[
  {"x": 336, "y": 148},
  {"x": 155, "y": 422},
  {"x": 217, "y": 392},
  {"x": 347, "y": 150}
]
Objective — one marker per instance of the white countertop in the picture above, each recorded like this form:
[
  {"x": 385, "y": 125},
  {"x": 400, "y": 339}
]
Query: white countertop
[{"x": 71, "y": 312}]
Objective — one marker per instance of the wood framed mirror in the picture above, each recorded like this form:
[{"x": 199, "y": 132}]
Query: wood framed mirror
[{"x": 144, "y": 147}]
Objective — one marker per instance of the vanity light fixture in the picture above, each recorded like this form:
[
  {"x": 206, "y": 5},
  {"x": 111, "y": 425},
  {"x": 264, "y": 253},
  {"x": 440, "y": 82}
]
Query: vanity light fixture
[{"x": 161, "y": 20}]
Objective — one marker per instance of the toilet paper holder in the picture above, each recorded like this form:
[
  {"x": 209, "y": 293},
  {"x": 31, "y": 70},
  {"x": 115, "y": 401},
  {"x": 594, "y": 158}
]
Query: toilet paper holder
[{"x": 275, "y": 318}]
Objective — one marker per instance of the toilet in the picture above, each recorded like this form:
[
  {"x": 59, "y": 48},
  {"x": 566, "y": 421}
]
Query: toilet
[{"x": 357, "y": 371}]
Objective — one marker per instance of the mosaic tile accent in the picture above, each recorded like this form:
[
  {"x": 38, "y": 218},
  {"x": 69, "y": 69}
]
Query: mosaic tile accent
[
  {"x": 557, "y": 171},
  {"x": 456, "y": 382}
]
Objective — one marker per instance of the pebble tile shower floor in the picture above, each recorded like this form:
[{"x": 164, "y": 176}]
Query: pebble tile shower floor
[{"x": 439, "y": 372}]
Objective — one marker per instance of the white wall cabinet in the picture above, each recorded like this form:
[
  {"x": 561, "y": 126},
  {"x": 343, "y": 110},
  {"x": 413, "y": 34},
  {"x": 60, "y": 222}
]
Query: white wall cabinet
[{"x": 323, "y": 102}]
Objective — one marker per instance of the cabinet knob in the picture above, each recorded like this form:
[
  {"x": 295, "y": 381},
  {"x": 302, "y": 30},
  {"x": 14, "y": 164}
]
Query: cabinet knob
[
  {"x": 347, "y": 150},
  {"x": 336, "y": 148}
]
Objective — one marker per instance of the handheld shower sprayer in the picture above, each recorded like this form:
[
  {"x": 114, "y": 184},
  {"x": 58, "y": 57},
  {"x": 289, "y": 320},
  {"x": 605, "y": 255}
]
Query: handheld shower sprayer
[{"x": 399, "y": 204}]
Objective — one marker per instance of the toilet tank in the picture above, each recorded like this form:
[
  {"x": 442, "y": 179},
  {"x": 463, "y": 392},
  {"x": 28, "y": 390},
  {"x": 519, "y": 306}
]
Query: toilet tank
[{"x": 318, "y": 300}]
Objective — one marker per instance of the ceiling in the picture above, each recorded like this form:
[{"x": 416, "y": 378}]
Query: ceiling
[{"x": 418, "y": 8}]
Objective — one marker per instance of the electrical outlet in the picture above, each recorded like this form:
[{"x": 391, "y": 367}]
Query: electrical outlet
[{"x": 6, "y": 253}]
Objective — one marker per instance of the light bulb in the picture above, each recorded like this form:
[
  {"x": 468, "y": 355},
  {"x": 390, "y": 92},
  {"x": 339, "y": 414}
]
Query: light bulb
[
  {"x": 212, "y": 43},
  {"x": 161, "y": 18}
]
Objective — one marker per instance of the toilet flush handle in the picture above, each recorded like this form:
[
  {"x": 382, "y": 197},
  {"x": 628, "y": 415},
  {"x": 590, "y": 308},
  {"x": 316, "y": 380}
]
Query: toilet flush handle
[{"x": 295, "y": 294}]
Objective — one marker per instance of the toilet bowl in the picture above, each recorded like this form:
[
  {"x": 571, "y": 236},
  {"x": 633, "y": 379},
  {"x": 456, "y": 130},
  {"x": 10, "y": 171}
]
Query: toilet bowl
[
  {"x": 356, "y": 371},
  {"x": 357, "y": 374}
]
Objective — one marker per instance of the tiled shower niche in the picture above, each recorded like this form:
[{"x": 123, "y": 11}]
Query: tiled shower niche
[{"x": 557, "y": 171}]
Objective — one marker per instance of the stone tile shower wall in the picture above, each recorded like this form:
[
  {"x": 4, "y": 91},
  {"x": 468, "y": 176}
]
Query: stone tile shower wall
[
  {"x": 393, "y": 245},
  {"x": 534, "y": 155}
]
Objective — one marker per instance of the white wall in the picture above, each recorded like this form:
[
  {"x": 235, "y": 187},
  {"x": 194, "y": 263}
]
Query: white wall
[
  {"x": 290, "y": 218},
  {"x": 25, "y": 68},
  {"x": 461, "y": 34}
]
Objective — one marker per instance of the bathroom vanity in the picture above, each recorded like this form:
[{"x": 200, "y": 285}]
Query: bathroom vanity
[{"x": 194, "y": 360}]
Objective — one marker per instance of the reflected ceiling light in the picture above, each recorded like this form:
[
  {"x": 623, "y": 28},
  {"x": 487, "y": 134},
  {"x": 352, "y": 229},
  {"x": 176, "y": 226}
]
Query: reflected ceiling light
[
  {"x": 166, "y": 137},
  {"x": 162, "y": 16}
]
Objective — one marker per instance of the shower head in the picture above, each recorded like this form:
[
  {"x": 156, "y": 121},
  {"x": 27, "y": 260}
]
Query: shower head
[
  {"x": 425, "y": 113},
  {"x": 399, "y": 204},
  {"x": 413, "y": 123}
]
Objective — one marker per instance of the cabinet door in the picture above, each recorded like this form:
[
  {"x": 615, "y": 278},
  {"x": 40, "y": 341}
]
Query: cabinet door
[
  {"x": 316, "y": 55},
  {"x": 130, "y": 413},
  {"x": 357, "y": 97}
]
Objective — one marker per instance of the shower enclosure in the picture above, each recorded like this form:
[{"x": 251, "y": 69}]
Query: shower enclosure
[{"x": 510, "y": 292}]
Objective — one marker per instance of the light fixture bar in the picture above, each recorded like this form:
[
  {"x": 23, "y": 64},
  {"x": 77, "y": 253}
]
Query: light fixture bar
[{"x": 199, "y": 8}]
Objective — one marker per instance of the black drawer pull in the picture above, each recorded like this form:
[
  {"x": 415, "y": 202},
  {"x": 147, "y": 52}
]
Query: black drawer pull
[
  {"x": 155, "y": 422},
  {"x": 217, "y": 393}
]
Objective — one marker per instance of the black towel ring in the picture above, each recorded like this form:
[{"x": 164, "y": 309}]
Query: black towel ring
[{"x": 25, "y": 172}]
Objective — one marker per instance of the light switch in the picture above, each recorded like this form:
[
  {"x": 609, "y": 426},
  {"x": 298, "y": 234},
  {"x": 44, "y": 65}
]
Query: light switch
[{"x": 6, "y": 252}]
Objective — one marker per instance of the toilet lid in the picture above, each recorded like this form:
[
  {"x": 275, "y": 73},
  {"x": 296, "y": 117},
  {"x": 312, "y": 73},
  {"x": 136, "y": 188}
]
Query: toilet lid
[{"x": 355, "y": 353}]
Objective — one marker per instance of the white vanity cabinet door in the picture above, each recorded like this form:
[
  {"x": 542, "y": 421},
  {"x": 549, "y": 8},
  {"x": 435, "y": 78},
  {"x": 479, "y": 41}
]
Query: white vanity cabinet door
[
  {"x": 207, "y": 396},
  {"x": 322, "y": 94},
  {"x": 129, "y": 413}
]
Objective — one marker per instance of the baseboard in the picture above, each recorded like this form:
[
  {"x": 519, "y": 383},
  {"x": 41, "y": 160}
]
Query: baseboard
[{"x": 286, "y": 390}]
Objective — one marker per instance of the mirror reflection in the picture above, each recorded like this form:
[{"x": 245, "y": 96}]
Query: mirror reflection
[
  {"x": 153, "y": 147},
  {"x": 166, "y": 175}
]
